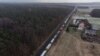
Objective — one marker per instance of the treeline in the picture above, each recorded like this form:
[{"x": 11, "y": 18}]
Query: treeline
[
  {"x": 95, "y": 13},
  {"x": 24, "y": 28}
]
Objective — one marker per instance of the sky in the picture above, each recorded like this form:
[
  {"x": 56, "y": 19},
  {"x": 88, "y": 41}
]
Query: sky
[{"x": 50, "y": 1}]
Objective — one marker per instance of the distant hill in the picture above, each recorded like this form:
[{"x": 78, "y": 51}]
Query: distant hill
[{"x": 92, "y": 5}]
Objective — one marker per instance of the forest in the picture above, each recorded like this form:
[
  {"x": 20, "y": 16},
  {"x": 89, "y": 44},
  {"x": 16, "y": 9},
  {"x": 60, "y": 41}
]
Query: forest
[
  {"x": 23, "y": 28},
  {"x": 95, "y": 13}
]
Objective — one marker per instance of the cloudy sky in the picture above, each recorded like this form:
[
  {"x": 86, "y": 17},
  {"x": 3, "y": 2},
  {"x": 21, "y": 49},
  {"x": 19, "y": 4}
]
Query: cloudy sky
[{"x": 51, "y": 1}]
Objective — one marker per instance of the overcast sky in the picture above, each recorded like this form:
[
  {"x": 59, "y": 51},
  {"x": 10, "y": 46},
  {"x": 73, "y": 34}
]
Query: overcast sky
[{"x": 51, "y": 1}]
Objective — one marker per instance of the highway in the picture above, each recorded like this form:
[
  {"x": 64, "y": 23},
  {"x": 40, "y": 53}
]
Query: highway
[{"x": 54, "y": 35}]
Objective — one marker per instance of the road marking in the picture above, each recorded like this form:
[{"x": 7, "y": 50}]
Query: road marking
[
  {"x": 55, "y": 36},
  {"x": 48, "y": 47},
  {"x": 43, "y": 53},
  {"x": 58, "y": 32},
  {"x": 66, "y": 21},
  {"x": 52, "y": 40}
]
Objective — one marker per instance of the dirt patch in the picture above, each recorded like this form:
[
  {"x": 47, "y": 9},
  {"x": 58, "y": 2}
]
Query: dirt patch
[
  {"x": 65, "y": 46},
  {"x": 90, "y": 49}
]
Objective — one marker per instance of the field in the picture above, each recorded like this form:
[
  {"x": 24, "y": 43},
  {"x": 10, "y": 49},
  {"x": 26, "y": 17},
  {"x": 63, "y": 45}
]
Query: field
[
  {"x": 24, "y": 27},
  {"x": 71, "y": 44}
]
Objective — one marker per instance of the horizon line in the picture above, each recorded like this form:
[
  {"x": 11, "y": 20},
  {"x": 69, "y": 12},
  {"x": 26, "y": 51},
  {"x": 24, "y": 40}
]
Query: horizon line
[{"x": 50, "y": 2}]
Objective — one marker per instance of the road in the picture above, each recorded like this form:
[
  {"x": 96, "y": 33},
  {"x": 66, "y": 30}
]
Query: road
[{"x": 70, "y": 44}]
